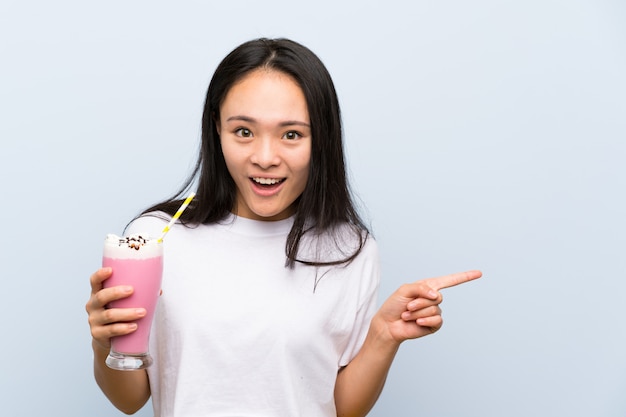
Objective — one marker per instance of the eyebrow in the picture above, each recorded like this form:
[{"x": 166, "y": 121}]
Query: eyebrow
[{"x": 252, "y": 120}]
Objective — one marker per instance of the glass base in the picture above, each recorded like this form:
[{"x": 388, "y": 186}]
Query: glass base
[{"x": 125, "y": 362}]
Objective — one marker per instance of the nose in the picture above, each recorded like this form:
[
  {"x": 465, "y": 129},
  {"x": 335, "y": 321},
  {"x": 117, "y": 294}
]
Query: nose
[{"x": 266, "y": 152}]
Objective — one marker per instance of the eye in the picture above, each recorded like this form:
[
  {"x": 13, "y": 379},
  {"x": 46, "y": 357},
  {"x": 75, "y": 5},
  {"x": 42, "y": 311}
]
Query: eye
[
  {"x": 292, "y": 135},
  {"x": 243, "y": 132}
]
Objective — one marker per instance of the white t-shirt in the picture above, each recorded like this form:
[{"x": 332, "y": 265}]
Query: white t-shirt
[{"x": 237, "y": 333}]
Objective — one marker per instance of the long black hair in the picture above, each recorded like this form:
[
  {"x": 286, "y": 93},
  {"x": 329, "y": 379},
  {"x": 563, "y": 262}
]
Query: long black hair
[{"x": 326, "y": 205}]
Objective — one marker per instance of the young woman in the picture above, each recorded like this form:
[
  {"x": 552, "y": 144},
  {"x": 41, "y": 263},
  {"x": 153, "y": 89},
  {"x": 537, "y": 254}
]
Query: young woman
[{"x": 270, "y": 278}]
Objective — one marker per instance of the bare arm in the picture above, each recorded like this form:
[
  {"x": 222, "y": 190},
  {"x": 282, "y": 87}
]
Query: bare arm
[
  {"x": 360, "y": 383},
  {"x": 127, "y": 390},
  {"x": 410, "y": 312}
]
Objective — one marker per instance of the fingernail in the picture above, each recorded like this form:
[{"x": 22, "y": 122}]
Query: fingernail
[
  {"x": 432, "y": 294},
  {"x": 140, "y": 312},
  {"x": 127, "y": 289},
  {"x": 132, "y": 326}
]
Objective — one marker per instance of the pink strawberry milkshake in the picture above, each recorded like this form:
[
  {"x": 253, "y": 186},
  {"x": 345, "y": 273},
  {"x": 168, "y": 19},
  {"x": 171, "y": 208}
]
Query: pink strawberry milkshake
[{"x": 136, "y": 261}]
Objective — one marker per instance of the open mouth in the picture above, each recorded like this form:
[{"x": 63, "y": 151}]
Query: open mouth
[{"x": 267, "y": 182}]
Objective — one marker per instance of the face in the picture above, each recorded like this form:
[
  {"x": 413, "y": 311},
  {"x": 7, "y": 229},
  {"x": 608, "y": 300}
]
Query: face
[{"x": 265, "y": 135}]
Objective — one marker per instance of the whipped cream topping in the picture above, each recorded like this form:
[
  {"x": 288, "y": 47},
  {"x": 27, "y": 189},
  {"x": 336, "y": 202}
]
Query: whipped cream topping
[{"x": 138, "y": 246}]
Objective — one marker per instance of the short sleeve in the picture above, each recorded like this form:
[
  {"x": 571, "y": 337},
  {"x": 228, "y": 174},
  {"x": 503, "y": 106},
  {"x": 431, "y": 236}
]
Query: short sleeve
[{"x": 367, "y": 267}]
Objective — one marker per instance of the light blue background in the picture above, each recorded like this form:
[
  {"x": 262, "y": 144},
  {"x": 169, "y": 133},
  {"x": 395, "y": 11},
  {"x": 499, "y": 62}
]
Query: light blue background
[{"x": 480, "y": 134}]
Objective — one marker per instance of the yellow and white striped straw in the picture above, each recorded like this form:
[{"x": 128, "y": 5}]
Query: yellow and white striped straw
[{"x": 177, "y": 215}]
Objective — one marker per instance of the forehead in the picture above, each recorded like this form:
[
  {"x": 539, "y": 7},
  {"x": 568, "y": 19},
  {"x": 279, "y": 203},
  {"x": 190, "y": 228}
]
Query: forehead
[
  {"x": 263, "y": 74},
  {"x": 265, "y": 90}
]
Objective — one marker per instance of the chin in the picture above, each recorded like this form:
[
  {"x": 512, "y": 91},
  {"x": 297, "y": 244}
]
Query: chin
[{"x": 272, "y": 215}]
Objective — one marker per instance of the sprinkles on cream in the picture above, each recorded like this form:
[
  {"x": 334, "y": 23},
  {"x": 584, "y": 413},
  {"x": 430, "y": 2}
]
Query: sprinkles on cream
[{"x": 135, "y": 246}]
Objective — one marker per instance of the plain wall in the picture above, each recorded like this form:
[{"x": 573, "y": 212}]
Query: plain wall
[{"x": 482, "y": 134}]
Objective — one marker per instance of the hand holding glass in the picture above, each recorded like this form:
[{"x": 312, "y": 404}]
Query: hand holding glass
[{"x": 138, "y": 262}]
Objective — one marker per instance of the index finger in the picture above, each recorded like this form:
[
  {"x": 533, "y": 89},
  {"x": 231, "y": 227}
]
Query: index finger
[
  {"x": 97, "y": 278},
  {"x": 451, "y": 280}
]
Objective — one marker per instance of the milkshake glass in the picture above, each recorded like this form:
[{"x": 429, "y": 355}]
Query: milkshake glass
[{"x": 136, "y": 261}]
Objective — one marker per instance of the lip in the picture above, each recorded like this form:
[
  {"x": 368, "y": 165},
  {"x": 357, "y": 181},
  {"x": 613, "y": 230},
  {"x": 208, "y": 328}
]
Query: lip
[{"x": 266, "y": 191}]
